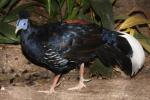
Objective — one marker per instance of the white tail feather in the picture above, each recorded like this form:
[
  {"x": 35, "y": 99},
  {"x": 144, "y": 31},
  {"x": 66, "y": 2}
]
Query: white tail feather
[{"x": 138, "y": 56}]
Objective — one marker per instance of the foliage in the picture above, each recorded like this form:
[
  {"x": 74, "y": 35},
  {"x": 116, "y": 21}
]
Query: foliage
[
  {"x": 103, "y": 9},
  {"x": 56, "y": 9},
  {"x": 132, "y": 26},
  {"x": 8, "y": 14},
  {"x": 6, "y": 30}
]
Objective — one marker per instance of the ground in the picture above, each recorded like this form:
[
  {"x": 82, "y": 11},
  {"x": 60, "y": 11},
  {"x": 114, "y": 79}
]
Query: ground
[
  {"x": 116, "y": 88},
  {"x": 112, "y": 89}
]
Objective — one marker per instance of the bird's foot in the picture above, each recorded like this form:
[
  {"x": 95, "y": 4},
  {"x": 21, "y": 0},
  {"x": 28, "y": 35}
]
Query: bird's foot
[
  {"x": 44, "y": 91},
  {"x": 51, "y": 91},
  {"x": 87, "y": 80},
  {"x": 78, "y": 87},
  {"x": 48, "y": 91}
]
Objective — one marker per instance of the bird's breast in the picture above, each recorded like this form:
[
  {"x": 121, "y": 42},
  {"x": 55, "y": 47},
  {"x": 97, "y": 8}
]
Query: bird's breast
[{"x": 32, "y": 48}]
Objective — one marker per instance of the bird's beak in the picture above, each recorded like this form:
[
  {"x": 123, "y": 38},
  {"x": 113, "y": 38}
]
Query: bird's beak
[{"x": 16, "y": 31}]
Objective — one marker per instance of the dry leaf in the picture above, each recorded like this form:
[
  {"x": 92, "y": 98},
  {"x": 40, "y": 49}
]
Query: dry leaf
[{"x": 133, "y": 21}]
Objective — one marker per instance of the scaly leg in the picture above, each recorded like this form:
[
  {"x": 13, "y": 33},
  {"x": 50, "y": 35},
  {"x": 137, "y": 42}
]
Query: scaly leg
[
  {"x": 82, "y": 80},
  {"x": 54, "y": 84}
]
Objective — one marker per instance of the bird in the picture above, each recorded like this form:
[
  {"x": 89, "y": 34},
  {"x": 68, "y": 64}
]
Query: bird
[{"x": 63, "y": 46}]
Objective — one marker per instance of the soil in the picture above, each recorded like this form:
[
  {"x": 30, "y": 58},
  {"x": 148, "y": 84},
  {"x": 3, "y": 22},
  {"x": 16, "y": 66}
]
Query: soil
[
  {"x": 33, "y": 79},
  {"x": 137, "y": 88}
]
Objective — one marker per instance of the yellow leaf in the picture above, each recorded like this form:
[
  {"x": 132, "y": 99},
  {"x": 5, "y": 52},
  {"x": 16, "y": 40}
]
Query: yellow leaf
[
  {"x": 133, "y": 21},
  {"x": 130, "y": 31},
  {"x": 127, "y": 30}
]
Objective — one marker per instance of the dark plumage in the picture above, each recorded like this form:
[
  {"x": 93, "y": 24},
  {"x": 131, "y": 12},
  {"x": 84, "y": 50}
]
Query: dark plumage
[{"x": 61, "y": 47}]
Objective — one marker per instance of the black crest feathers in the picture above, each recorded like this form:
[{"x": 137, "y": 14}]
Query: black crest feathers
[{"x": 24, "y": 14}]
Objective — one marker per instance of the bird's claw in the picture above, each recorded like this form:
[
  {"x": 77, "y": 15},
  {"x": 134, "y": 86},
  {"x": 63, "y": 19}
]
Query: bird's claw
[
  {"x": 47, "y": 92},
  {"x": 78, "y": 87},
  {"x": 51, "y": 91},
  {"x": 87, "y": 80}
]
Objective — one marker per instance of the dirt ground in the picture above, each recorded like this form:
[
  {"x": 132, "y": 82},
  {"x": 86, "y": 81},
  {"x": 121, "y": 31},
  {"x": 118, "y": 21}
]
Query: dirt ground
[
  {"x": 113, "y": 89},
  {"x": 119, "y": 88}
]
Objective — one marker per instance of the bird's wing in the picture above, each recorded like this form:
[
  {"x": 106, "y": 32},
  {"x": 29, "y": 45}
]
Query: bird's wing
[
  {"x": 75, "y": 40},
  {"x": 112, "y": 56}
]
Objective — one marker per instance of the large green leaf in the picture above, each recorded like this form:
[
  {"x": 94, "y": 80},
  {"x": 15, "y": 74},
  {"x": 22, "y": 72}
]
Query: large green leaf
[
  {"x": 7, "y": 33},
  {"x": 12, "y": 15},
  {"x": 103, "y": 9}
]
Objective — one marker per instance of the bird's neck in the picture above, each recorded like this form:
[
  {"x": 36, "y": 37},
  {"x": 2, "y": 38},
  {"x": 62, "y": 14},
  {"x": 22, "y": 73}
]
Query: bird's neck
[{"x": 26, "y": 33}]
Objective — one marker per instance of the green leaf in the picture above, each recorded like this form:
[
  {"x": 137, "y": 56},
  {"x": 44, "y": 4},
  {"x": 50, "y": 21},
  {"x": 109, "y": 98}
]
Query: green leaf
[
  {"x": 85, "y": 5},
  {"x": 49, "y": 8},
  {"x": 3, "y": 3},
  {"x": 10, "y": 5},
  {"x": 98, "y": 68},
  {"x": 61, "y": 2},
  {"x": 70, "y": 5},
  {"x": 12, "y": 15},
  {"x": 5, "y": 40},
  {"x": 146, "y": 44},
  {"x": 7, "y": 33},
  {"x": 104, "y": 10},
  {"x": 53, "y": 8},
  {"x": 74, "y": 13},
  {"x": 145, "y": 41}
]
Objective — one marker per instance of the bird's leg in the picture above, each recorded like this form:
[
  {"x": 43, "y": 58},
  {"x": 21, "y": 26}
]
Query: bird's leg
[
  {"x": 54, "y": 84},
  {"x": 82, "y": 80},
  {"x": 55, "y": 80}
]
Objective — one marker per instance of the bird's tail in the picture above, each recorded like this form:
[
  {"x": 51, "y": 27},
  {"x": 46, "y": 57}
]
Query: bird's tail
[
  {"x": 111, "y": 56},
  {"x": 130, "y": 62},
  {"x": 138, "y": 56}
]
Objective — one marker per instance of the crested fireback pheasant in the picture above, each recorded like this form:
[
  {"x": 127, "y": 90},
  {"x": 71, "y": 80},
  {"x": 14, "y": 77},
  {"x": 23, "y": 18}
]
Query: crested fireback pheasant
[{"x": 61, "y": 47}]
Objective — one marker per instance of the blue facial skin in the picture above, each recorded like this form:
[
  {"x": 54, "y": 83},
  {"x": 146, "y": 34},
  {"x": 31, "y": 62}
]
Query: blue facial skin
[{"x": 22, "y": 24}]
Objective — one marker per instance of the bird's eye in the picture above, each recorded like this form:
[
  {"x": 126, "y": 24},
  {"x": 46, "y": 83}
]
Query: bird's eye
[{"x": 24, "y": 24}]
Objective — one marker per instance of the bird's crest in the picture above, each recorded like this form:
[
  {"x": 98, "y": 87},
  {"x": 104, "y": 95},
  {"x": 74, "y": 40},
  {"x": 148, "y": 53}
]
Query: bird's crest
[{"x": 24, "y": 14}]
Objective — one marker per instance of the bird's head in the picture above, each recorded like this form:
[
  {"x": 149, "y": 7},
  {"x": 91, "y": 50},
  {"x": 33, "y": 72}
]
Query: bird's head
[{"x": 22, "y": 22}]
